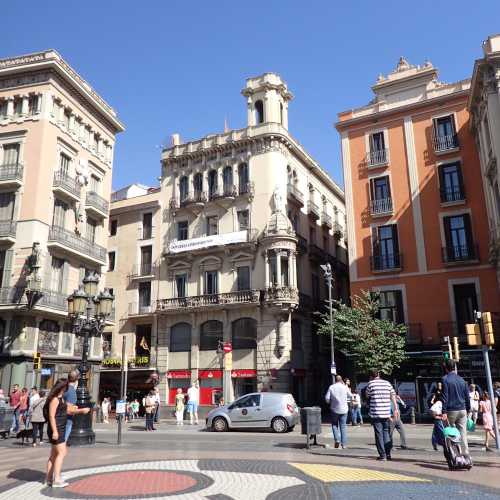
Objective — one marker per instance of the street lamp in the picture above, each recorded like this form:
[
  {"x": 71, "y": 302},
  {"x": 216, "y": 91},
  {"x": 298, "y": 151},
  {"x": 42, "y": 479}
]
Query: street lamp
[
  {"x": 327, "y": 269},
  {"x": 88, "y": 312}
]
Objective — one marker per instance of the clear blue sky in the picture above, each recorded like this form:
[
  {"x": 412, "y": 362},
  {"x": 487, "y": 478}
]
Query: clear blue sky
[{"x": 178, "y": 66}]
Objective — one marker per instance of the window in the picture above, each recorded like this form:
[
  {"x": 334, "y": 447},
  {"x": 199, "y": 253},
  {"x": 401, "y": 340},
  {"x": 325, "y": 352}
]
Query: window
[
  {"x": 91, "y": 230},
  {"x": 33, "y": 104},
  {"x": 296, "y": 335},
  {"x": 259, "y": 112},
  {"x": 183, "y": 189},
  {"x": 243, "y": 278},
  {"x": 243, "y": 220},
  {"x": 458, "y": 234},
  {"x": 251, "y": 401},
  {"x": 244, "y": 333},
  {"x": 284, "y": 270},
  {"x": 380, "y": 192},
  {"x": 111, "y": 261},
  {"x": 180, "y": 337},
  {"x": 56, "y": 275},
  {"x": 312, "y": 234},
  {"x": 67, "y": 115},
  {"x": 60, "y": 209},
  {"x": 198, "y": 185},
  {"x": 146, "y": 260},
  {"x": 377, "y": 142},
  {"x": 64, "y": 163},
  {"x": 143, "y": 340},
  {"x": 2, "y": 265},
  {"x": 18, "y": 107},
  {"x": 3, "y": 109},
  {"x": 212, "y": 225},
  {"x": 144, "y": 295},
  {"x": 273, "y": 269},
  {"x": 95, "y": 184},
  {"x": 147, "y": 226},
  {"x": 212, "y": 183},
  {"x": 7, "y": 206},
  {"x": 451, "y": 183},
  {"x": 385, "y": 247},
  {"x": 281, "y": 113},
  {"x": 182, "y": 230},
  {"x": 211, "y": 283},
  {"x": 181, "y": 285},
  {"x": 10, "y": 154},
  {"x": 227, "y": 176},
  {"x": 211, "y": 333},
  {"x": 243, "y": 178},
  {"x": 391, "y": 306},
  {"x": 445, "y": 136},
  {"x": 113, "y": 227}
]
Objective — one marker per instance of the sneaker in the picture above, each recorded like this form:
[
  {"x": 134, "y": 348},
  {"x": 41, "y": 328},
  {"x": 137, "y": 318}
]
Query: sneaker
[
  {"x": 381, "y": 459},
  {"x": 404, "y": 447},
  {"x": 59, "y": 484},
  {"x": 389, "y": 457},
  {"x": 337, "y": 444},
  {"x": 343, "y": 447}
]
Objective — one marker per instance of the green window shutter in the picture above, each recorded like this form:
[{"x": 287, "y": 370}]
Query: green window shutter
[{"x": 7, "y": 267}]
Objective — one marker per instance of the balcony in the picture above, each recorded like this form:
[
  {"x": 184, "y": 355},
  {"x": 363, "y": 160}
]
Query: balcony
[
  {"x": 295, "y": 194},
  {"x": 377, "y": 158},
  {"x": 144, "y": 270},
  {"x": 69, "y": 241},
  {"x": 66, "y": 185},
  {"x": 414, "y": 333},
  {"x": 11, "y": 174},
  {"x": 281, "y": 295},
  {"x": 96, "y": 204},
  {"x": 386, "y": 262},
  {"x": 338, "y": 231},
  {"x": 444, "y": 143},
  {"x": 8, "y": 231},
  {"x": 494, "y": 246},
  {"x": 200, "y": 302},
  {"x": 313, "y": 210},
  {"x": 317, "y": 253},
  {"x": 246, "y": 189},
  {"x": 16, "y": 296},
  {"x": 381, "y": 207},
  {"x": 452, "y": 329},
  {"x": 326, "y": 220},
  {"x": 452, "y": 195},
  {"x": 136, "y": 309},
  {"x": 197, "y": 198},
  {"x": 458, "y": 254}
]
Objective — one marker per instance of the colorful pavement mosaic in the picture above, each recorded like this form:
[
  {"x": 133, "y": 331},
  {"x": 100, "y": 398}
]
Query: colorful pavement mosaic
[{"x": 242, "y": 480}]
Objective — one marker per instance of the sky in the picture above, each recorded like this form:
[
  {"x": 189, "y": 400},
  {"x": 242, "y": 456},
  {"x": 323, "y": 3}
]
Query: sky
[{"x": 169, "y": 66}]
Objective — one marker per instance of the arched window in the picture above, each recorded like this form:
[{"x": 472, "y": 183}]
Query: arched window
[
  {"x": 244, "y": 333},
  {"x": 212, "y": 183},
  {"x": 281, "y": 113},
  {"x": 259, "y": 112},
  {"x": 210, "y": 335},
  {"x": 243, "y": 178},
  {"x": 198, "y": 183},
  {"x": 227, "y": 176},
  {"x": 183, "y": 189},
  {"x": 180, "y": 337}
]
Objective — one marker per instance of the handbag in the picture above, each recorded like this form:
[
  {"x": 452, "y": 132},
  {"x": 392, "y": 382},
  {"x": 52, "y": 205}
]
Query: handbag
[{"x": 471, "y": 426}]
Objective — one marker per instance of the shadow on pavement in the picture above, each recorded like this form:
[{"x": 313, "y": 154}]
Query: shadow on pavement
[{"x": 28, "y": 475}]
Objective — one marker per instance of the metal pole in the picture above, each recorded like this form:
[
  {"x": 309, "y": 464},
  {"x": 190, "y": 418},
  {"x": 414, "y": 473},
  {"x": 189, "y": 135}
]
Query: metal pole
[
  {"x": 122, "y": 386},
  {"x": 330, "y": 305}
]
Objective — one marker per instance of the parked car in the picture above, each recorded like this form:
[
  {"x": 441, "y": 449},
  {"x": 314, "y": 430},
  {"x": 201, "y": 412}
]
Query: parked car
[{"x": 259, "y": 410}]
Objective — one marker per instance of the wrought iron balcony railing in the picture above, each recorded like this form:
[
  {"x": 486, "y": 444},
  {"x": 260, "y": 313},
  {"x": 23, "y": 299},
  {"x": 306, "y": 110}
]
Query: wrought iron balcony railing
[
  {"x": 11, "y": 172},
  {"x": 313, "y": 209},
  {"x": 414, "y": 333},
  {"x": 452, "y": 329},
  {"x": 144, "y": 269},
  {"x": 377, "y": 157},
  {"x": 67, "y": 183},
  {"x": 96, "y": 201},
  {"x": 452, "y": 194},
  {"x": 381, "y": 206},
  {"x": 8, "y": 229},
  {"x": 70, "y": 240},
  {"x": 295, "y": 193},
  {"x": 49, "y": 298},
  {"x": 281, "y": 294},
  {"x": 386, "y": 262},
  {"x": 445, "y": 142},
  {"x": 326, "y": 220},
  {"x": 460, "y": 253},
  {"x": 138, "y": 309}
]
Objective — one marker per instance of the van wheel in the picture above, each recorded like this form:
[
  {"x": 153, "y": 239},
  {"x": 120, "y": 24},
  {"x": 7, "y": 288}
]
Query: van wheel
[
  {"x": 219, "y": 424},
  {"x": 290, "y": 429},
  {"x": 279, "y": 425}
]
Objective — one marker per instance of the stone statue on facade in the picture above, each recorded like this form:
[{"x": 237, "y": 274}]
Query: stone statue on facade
[{"x": 277, "y": 200}]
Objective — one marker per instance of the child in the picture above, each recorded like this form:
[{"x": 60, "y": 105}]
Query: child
[
  {"x": 485, "y": 409},
  {"x": 437, "y": 432},
  {"x": 179, "y": 407}
]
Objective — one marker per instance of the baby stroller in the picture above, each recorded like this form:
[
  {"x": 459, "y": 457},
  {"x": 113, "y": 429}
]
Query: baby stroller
[{"x": 453, "y": 450}]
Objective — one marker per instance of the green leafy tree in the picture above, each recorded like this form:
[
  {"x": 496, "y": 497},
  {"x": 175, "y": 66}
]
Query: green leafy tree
[{"x": 370, "y": 342}]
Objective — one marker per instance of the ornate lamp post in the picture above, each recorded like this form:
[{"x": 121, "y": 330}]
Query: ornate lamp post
[
  {"x": 88, "y": 311},
  {"x": 329, "y": 277}
]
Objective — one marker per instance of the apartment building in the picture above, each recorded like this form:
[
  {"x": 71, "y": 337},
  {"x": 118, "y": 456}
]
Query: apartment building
[
  {"x": 484, "y": 107},
  {"x": 241, "y": 224},
  {"x": 57, "y": 138},
  {"x": 416, "y": 213}
]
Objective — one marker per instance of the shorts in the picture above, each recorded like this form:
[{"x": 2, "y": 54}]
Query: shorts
[
  {"x": 192, "y": 407},
  {"x": 60, "y": 431}
]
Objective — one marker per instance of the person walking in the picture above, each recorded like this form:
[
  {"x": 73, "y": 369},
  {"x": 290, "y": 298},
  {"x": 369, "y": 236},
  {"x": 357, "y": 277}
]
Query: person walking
[
  {"x": 179, "y": 407},
  {"x": 337, "y": 397},
  {"x": 193, "y": 401},
  {"x": 357, "y": 418},
  {"x": 437, "y": 394},
  {"x": 474, "y": 402},
  {"x": 381, "y": 395},
  {"x": 485, "y": 409},
  {"x": 37, "y": 418},
  {"x": 135, "y": 409},
  {"x": 347, "y": 382},
  {"x": 397, "y": 423},
  {"x": 56, "y": 411},
  {"x": 14, "y": 399},
  {"x": 70, "y": 397},
  {"x": 456, "y": 401},
  {"x": 24, "y": 406},
  {"x": 149, "y": 405},
  {"x": 105, "y": 407},
  {"x": 157, "y": 405},
  {"x": 438, "y": 429},
  {"x": 33, "y": 398}
]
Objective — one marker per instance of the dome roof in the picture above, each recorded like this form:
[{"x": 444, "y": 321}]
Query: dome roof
[{"x": 278, "y": 224}]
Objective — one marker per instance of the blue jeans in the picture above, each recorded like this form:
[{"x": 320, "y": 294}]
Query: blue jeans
[
  {"x": 15, "y": 421},
  {"x": 382, "y": 428},
  {"x": 438, "y": 433},
  {"x": 69, "y": 426},
  {"x": 356, "y": 416},
  {"x": 339, "y": 428}
]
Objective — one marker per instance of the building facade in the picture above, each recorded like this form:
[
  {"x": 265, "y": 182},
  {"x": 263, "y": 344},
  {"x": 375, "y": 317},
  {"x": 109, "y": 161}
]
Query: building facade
[
  {"x": 57, "y": 139},
  {"x": 241, "y": 224},
  {"x": 416, "y": 212}
]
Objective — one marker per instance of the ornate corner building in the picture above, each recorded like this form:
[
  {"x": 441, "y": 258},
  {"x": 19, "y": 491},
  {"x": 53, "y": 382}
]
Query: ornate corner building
[
  {"x": 56, "y": 154},
  {"x": 241, "y": 223}
]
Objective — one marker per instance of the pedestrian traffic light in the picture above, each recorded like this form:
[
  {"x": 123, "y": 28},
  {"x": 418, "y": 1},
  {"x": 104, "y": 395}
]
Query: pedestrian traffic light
[
  {"x": 456, "y": 350},
  {"x": 473, "y": 334},
  {"x": 37, "y": 361},
  {"x": 488, "y": 328}
]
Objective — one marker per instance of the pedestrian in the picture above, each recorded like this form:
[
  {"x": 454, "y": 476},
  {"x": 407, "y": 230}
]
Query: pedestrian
[
  {"x": 70, "y": 397},
  {"x": 157, "y": 404},
  {"x": 105, "y": 407},
  {"x": 135, "y": 409},
  {"x": 437, "y": 394},
  {"x": 33, "y": 398},
  {"x": 438, "y": 429},
  {"x": 380, "y": 395},
  {"x": 397, "y": 423},
  {"x": 193, "y": 400},
  {"x": 456, "y": 401},
  {"x": 56, "y": 412},
  {"x": 24, "y": 405},
  {"x": 149, "y": 405},
  {"x": 485, "y": 409},
  {"x": 474, "y": 402},
  {"x": 357, "y": 418},
  {"x": 347, "y": 382},
  {"x": 496, "y": 398},
  {"x": 337, "y": 397},
  {"x": 179, "y": 407},
  {"x": 14, "y": 399},
  {"x": 37, "y": 418}
]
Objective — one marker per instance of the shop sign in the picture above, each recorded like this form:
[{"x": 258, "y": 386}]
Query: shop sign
[
  {"x": 120, "y": 407},
  {"x": 210, "y": 374},
  {"x": 177, "y": 246},
  {"x": 179, "y": 374},
  {"x": 46, "y": 372},
  {"x": 228, "y": 347},
  {"x": 244, "y": 373}
]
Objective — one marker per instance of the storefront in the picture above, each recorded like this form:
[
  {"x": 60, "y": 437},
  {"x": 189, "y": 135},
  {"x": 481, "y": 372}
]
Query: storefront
[
  {"x": 244, "y": 382},
  {"x": 298, "y": 384},
  {"x": 210, "y": 387},
  {"x": 177, "y": 379}
]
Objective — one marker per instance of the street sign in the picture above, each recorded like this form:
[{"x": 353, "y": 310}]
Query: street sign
[
  {"x": 120, "y": 407},
  {"x": 46, "y": 371},
  {"x": 333, "y": 369},
  {"x": 228, "y": 347}
]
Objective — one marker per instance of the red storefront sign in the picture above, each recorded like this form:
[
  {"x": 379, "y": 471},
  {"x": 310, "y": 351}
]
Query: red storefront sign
[
  {"x": 210, "y": 374},
  {"x": 179, "y": 374},
  {"x": 244, "y": 373},
  {"x": 228, "y": 347}
]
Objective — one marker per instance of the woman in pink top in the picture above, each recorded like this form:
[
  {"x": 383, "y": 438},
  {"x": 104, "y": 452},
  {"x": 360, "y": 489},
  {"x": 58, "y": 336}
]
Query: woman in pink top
[
  {"x": 24, "y": 405},
  {"x": 485, "y": 409}
]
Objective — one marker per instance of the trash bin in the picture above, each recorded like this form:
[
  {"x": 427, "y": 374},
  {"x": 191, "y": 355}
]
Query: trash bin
[
  {"x": 310, "y": 420},
  {"x": 6, "y": 417}
]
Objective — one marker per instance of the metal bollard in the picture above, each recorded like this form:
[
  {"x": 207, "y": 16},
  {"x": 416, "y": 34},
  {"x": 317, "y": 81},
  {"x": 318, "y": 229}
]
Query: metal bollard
[{"x": 412, "y": 415}]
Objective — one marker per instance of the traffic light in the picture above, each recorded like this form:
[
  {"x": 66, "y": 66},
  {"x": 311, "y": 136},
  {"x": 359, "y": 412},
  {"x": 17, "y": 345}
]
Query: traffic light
[
  {"x": 473, "y": 334},
  {"x": 488, "y": 328},
  {"x": 456, "y": 350},
  {"x": 37, "y": 361}
]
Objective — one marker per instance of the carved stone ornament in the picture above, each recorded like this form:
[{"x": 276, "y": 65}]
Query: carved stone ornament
[{"x": 82, "y": 172}]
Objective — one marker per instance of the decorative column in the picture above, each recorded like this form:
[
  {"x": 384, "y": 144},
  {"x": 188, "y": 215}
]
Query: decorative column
[
  {"x": 72, "y": 123},
  {"x": 291, "y": 270},
  {"x": 278, "y": 267},
  {"x": 38, "y": 103},
  {"x": 266, "y": 262},
  {"x": 10, "y": 107},
  {"x": 250, "y": 115}
]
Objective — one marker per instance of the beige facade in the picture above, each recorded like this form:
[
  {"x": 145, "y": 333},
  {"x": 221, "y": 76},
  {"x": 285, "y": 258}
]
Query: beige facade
[
  {"x": 56, "y": 154},
  {"x": 244, "y": 219}
]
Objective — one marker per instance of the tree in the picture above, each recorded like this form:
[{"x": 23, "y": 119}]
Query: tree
[{"x": 370, "y": 342}]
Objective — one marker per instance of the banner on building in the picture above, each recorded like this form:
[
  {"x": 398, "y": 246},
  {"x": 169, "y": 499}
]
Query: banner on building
[{"x": 177, "y": 246}]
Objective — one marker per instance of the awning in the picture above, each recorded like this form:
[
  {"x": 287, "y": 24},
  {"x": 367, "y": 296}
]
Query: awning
[
  {"x": 244, "y": 373},
  {"x": 210, "y": 374},
  {"x": 179, "y": 374}
]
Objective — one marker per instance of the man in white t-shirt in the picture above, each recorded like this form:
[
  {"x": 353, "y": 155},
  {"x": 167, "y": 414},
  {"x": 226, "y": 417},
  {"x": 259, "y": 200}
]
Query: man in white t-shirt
[
  {"x": 157, "y": 405},
  {"x": 193, "y": 401}
]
